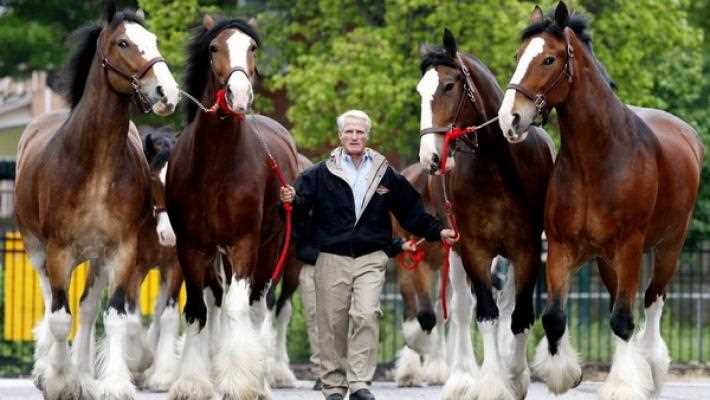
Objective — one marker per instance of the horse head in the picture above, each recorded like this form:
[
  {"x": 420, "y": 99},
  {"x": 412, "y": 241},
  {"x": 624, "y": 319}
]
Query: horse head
[
  {"x": 447, "y": 100},
  {"x": 129, "y": 54}
]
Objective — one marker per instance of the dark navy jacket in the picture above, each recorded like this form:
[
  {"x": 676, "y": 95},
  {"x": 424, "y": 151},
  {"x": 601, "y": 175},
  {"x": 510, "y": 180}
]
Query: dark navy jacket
[{"x": 324, "y": 211}]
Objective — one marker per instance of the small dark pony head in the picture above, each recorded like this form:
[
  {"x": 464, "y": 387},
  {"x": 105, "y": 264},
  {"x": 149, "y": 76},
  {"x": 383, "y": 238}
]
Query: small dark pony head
[
  {"x": 158, "y": 144},
  {"x": 76, "y": 69},
  {"x": 555, "y": 24},
  {"x": 199, "y": 65}
]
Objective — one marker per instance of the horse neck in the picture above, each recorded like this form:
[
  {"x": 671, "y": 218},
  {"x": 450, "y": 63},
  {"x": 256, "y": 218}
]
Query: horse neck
[
  {"x": 592, "y": 120},
  {"x": 97, "y": 129},
  {"x": 488, "y": 97}
]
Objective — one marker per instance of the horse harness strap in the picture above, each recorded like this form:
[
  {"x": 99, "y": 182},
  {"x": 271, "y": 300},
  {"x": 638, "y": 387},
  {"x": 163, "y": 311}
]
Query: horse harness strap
[
  {"x": 539, "y": 98},
  {"x": 133, "y": 80},
  {"x": 232, "y": 71}
]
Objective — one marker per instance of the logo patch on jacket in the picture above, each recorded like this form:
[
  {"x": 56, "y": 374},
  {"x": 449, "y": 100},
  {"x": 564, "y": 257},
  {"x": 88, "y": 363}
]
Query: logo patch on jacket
[{"x": 382, "y": 190}]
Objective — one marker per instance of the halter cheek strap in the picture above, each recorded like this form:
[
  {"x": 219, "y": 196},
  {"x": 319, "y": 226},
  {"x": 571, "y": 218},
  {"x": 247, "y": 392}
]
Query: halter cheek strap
[
  {"x": 539, "y": 99},
  {"x": 133, "y": 80}
]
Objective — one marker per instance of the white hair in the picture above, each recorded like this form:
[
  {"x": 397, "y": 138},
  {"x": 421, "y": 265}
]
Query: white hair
[{"x": 353, "y": 114}]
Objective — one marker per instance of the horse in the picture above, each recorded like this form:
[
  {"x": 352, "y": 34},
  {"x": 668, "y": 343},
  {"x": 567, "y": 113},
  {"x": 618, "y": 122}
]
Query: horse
[
  {"x": 83, "y": 193},
  {"x": 156, "y": 249},
  {"x": 497, "y": 190},
  {"x": 223, "y": 202},
  {"x": 625, "y": 182},
  {"x": 423, "y": 325}
]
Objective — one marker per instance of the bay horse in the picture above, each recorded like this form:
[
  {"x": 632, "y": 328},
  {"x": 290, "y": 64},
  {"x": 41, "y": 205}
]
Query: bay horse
[
  {"x": 625, "y": 181},
  {"x": 223, "y": 201},
  {"x": 497, "y": 190},
  {"x": 156, "y": 250},
  {"x": 424, "y": 326},
  {"x": 83, "y": 193}
]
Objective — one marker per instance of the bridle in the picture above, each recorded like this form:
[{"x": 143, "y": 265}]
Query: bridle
[
  {"x": 133, "y": 80},
  {"x": 541, "y": 109}
]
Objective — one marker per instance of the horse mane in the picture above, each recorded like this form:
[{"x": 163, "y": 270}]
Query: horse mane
[
  {"x": 579, "y": 25},
  {"x": 156, "y": 159},
  {"x": 72, "y": 79},
  {"x": 198, "y": 58}
]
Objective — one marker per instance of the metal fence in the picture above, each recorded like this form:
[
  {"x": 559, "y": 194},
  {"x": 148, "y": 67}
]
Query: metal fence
[{"x": 685, "y": 325}]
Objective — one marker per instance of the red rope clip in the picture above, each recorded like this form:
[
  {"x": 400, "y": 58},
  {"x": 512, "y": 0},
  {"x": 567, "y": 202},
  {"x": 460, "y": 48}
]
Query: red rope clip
[
  {"x": 451, "y": 136},
  {"x": 220, "y": 104},
  {"x": 410, "y": 260}
]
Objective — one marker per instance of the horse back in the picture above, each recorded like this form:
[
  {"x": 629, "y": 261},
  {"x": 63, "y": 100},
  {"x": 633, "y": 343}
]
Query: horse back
[{"x": 36, "y": 136}]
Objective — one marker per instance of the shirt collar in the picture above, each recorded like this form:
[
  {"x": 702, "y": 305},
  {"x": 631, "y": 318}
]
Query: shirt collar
[{"x": 346, "y": 157}]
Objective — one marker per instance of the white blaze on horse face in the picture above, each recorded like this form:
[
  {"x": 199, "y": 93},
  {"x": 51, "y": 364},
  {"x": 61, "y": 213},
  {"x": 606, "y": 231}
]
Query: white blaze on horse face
[
  {"x": 164, "y": 174},
  {"x": 162, "y": 90},
  {"x": 428, "y": 144},
  {"x": 525, "y": 111},
  {"x": 239, "y": 85}
]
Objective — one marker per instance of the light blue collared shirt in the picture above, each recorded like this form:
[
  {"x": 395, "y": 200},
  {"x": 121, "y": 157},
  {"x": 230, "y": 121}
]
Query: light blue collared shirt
[{"x": 357, "y": 178}]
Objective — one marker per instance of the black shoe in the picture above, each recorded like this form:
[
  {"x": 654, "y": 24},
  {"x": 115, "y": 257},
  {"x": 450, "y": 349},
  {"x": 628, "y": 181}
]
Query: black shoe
[
  {"x": 362, "y": 394},
  {"x": 318, "y": 385},
  {"x": 335, "y": 396}
]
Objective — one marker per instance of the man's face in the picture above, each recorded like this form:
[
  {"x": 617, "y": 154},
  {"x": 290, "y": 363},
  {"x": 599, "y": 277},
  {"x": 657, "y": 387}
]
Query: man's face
[{"x": 354, "y": 136}]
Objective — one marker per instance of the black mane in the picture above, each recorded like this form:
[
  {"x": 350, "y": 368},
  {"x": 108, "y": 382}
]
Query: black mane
[
  {"x": 436, "y": 56},
  {"x": 580, "y": 25},
  {"x": 198, "y": 59},
  {"x": 76, "y": 69}
]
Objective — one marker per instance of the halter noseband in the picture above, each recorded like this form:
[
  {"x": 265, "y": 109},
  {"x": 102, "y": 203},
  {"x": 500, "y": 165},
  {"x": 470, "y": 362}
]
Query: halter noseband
[
  {"x": 133, "y": 80},
  {"x": 539, "y": 98}
]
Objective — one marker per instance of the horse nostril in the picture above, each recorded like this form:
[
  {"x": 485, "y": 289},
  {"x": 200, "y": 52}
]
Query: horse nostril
[
  {"x": 160, "y": 91},
  {"x": 516, "y": 119}
]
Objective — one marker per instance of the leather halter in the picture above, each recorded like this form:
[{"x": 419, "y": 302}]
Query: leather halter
[
  {"x": 469, "y": 89},
  {"x": 539, "y": 98},
  {"x": 133, "y": 80}
]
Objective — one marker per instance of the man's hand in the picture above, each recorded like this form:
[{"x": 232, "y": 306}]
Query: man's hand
[
  {"x": 287, "y": 194},
  {"x": 409, "y": 245},
  {"x": 449, "y": 236}
]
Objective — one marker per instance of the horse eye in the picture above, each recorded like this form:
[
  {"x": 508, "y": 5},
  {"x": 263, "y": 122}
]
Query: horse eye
[
  {"x": 123, "y": 44},
  {"x": 213, "y": 48},
  {"x": 252, "y": 49},
  {"x": 448, "y": 86},
  {"x": 549, "y": 61}
]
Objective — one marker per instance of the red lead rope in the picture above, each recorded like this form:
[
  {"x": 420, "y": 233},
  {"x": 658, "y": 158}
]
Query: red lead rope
[
  {"x": 221, "y": 105},
  {"x": 452, "y": 136}
]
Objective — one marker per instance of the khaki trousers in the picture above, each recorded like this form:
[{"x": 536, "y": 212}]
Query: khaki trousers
[
  {"x": 307, "y": 289},
  {"x": 348, "y": 303}
]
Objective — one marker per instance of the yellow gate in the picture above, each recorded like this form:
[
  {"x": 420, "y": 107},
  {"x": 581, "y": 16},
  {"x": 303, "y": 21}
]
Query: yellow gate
[{"x": 23, "y": 304}]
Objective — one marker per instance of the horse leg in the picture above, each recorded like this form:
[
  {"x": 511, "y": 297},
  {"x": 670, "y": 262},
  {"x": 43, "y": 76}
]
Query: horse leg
[
  {"x": 43, "y": 339},
  {"x": 61, "y": 379},
  {"x": 608, "y": 276},
  {"x": 408, "y": 368},
  {"x": 649, "y": 338},
  {"x": 119, "y": 323},
  {"x": 494, "y": 384},
  {"x": 522, "y": 276},
  {"x": 139, "y": 353},
  {"x": 83, "y": 347},
  {"x": 215, "y": 280},
  {"x": 240, "y": 363},
  {"x": 463, "y": 379},
  {"x": 630, "y": 376},
  {"x": 556, "y": 362},
  {"x": 160, "y": 303},
  {"x": 193, "y": 380},
  {"x": 164, "y": 369},
  {"x": 281, "y": 374},
  {"x": 436, "y": 369}
]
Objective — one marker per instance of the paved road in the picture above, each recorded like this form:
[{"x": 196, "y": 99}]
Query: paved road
[{"x": 11, "y": 389}]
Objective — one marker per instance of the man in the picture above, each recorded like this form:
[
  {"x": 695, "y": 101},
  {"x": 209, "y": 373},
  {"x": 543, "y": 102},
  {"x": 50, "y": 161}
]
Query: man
[{"x": 348, "y": 198}]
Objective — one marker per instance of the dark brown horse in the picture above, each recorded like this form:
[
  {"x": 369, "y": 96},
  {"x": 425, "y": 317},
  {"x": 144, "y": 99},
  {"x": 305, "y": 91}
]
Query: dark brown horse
[
  {"x": 223, "y": 199},
  {"x": 625, "y": 182},
  {"x": 82, "y": 192},
  {"x": 498, "y": 191}
]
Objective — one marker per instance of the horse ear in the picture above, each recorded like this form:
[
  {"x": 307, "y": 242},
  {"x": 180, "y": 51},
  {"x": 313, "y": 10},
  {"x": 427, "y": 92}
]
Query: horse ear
[
  {"x": 109, "y": 10},
  {"x": 140, "y": 13},
  {"x": 207, "y": 22},
  {"x": 450, "y": 43},
  {"x": 536, "y": 16},
  {"x": 425, "y": 48},
  {"x": 561, "y": 15},
  {"x": 252, "y": 22}
]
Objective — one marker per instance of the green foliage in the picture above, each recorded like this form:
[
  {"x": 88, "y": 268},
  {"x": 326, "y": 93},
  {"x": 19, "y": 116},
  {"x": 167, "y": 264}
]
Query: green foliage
[{"x": 170, "y": 19}]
